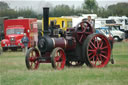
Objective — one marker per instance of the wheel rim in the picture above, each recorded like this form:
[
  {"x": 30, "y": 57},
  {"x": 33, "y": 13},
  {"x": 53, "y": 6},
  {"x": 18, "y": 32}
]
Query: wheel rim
[
  {"x": 59, "y": 59},
  {"x": 99, "y": 51},
  {"x": 85, "y": 30},
  {"x": 32, "y": 59},
  {"x": 116, "y": 39}
]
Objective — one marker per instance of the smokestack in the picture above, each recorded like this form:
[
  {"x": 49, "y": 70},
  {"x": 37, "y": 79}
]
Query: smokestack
[{"x": 46, "y": 20}]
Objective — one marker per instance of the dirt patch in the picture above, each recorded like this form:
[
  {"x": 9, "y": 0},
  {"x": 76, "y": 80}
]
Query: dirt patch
[{"x": 125, "y": 40}]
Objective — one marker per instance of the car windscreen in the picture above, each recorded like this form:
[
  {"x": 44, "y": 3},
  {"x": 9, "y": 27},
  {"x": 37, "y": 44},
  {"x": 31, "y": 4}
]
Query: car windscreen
[
  {"x": 114, "y": 28},
  {"x": 15, "y": 31},
  {"x": 126, "y": 21}
]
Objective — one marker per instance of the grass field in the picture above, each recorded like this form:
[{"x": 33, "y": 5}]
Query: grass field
[{"x": 13, "y": 71}]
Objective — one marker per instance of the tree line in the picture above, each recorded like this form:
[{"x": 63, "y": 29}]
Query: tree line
[{"x": 89, "y": 6}]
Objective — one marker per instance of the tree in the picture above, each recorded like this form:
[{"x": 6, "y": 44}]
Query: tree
[
  {"x": 90, "y": 5},
  {"x": 3, "y": 5},
  {"x": 119, "y": 9},
  {"x": 61, "y": 10}
]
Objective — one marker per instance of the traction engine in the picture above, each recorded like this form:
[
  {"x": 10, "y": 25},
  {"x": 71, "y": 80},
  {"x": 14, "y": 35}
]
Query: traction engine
[{"x": 74, "y": 47}]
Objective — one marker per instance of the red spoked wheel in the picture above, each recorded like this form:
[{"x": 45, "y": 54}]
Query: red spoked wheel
[
  {"x": 31, "y": 59},
  {"x": 58, "y": 58},
  {"x": 96, "y": 50},
  {"x": 83, "y": 29}
]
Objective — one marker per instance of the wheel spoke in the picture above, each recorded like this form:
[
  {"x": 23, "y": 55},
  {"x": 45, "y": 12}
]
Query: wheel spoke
[
  {"x": 58, "y": 63},
  {"x": 92, "y": 50},
  {"x": 36, "y": 64},
  {"x": 97, "y": 42},
  {"x": 98, "y": 59},
  {"x": 103, "y": 51},
  {"x": 92, "y": 44},
  {"x": 81, "y": 37},
  {"x": 31, "y": 63},
  {"x": 92, "y": 56},
  {"x": 101, "y": 44},
  {"x": 57, "y": 58},
  {"x": 105, "y": 47},
  {"x": 85, "y": 28},
  {"x": 87, "y": 32},
  {"x": 103, "y": 56}
]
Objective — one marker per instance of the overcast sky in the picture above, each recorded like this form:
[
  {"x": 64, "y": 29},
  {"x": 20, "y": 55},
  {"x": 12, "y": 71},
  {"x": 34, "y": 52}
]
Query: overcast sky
[{"x": 38, "y": 4}]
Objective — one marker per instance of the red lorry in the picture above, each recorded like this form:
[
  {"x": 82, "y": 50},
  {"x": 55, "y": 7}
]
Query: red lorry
[{"x": 14, "y": 30}]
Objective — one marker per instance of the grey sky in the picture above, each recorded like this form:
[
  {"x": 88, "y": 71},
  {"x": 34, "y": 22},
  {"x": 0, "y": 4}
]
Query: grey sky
[{"x": 38, "y": 4}]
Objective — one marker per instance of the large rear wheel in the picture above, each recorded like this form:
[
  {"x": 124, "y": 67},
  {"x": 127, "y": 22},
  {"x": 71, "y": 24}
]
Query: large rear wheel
[
  {"x": 58, "y": 58},
  {"x": 31, "y": 59},
  {"x": 96, "y": 50}
]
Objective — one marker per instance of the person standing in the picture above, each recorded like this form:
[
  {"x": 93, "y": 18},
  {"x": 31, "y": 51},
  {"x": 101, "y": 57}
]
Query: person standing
[
  {"x": 89, "y": 20},
  {"x": 25, "y": 42}
]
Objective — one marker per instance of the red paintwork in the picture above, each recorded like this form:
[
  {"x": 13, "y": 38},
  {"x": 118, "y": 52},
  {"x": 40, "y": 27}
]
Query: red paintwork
[
  {"x": 34, "y": 64},
  {"x": 60, "y": 55},
  {"x": 84, "y": 33},
  {"x": 101, "y": 44},
  {"x": 59, "y": 42},
  {"x": 29, "y": 26}
]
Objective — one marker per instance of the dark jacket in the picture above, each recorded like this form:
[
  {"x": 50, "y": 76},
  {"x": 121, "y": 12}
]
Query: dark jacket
[{"x": 25, "y": 41}]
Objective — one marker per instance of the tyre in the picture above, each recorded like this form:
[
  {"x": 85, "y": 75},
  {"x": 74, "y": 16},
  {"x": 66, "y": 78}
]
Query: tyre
[
  {"x": 31, "y": 59},
  {"x": 58, "y": 58},
  {"x": 14, "y": 49},
  {"x": 5, "y": 49},
  {"x": 96, "y": 50},
  {"x": 116, "y": 38}
]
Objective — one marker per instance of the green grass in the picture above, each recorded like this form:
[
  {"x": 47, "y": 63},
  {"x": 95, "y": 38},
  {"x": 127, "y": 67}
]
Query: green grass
[{"x": 13, "y": 71}]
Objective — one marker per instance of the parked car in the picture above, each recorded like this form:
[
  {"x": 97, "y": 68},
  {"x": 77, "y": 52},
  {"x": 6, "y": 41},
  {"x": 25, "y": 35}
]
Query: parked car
[
  {"x": 105, "y": 31},
  {"x": 117, "y": 34}
]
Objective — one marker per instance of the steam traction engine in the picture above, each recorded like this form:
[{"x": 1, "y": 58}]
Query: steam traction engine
[{"x": 75, "y": 47}]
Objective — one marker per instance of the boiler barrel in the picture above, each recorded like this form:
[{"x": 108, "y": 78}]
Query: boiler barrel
[
  {"x": 47, "y": 44},
  {"x": 59, "y": 42}
]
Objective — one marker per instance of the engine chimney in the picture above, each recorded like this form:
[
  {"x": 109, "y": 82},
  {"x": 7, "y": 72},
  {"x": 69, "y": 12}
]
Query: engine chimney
[{"x": 46, "y": 20}]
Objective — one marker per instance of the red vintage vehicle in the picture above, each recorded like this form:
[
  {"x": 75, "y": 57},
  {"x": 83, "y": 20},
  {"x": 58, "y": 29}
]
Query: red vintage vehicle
[
  {"x": 75, "y": 47},
  {"x": 14, "y": 30}
]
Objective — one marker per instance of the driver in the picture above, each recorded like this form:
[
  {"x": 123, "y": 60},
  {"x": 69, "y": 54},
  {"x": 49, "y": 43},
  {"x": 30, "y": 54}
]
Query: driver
[{"x": 89, "y": 20}]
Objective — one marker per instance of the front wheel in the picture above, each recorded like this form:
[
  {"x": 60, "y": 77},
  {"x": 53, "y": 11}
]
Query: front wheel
[
  {"x": 31, "y": 59},
  {"x": 96, "y": 50},
  {"x": 58, "y": 58}
]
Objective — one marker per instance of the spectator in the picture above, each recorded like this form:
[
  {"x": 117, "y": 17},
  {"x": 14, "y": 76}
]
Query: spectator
[
  {"x": 89, "y": 20},
  {"x": 25, "y": 41}
]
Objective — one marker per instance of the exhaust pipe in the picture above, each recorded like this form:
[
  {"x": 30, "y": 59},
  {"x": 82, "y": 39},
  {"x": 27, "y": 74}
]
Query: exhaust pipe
[{"x": 46, "y": 20}]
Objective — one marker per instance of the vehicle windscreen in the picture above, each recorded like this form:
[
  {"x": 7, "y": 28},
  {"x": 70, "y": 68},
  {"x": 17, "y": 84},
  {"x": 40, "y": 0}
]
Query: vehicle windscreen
[
  {"x": 114, "y": 28},
  {"x": 15, "y": 31},
  {"x": 126, "y": 21},
  {"x": 69, "y": 24}
]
